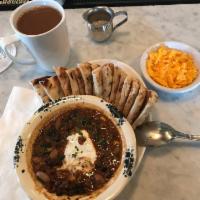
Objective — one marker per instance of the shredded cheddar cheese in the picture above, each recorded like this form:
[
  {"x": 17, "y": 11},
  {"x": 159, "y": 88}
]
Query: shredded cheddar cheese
[{"x": 171, "y": 68}]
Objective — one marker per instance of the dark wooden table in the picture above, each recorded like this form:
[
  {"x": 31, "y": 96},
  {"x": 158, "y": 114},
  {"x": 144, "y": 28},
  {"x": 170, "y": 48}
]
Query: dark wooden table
[{"x": 91, "y": 3}]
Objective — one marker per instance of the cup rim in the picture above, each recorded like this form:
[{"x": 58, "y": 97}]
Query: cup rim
[
  {"x": 94, "y": 9},
  {"x": 61, "y": 11}
]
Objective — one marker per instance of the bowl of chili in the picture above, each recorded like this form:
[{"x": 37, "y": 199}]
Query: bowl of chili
[{"x": 78, "y": 147}]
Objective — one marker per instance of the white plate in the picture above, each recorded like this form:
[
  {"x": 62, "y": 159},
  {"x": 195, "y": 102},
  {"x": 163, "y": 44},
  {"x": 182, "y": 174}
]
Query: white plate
[
  {"x": 177, "y": 45},
  {"x": 129, "y": 70}
]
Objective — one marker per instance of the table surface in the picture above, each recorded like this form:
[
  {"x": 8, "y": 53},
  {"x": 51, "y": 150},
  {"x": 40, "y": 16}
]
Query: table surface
[{"x": 170, "y": 172}]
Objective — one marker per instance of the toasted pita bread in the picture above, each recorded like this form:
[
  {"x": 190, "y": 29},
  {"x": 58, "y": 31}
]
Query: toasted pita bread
[
  {"x": 86, "y": 72},
  {"x": 136, "y": 107},
  {"x": 107, "y": 77},
  {"x": 135, "y": 85},
  {"x": 118, "y": 75},
  {"x": 152, "y": 98},
  {"x": 64, "y": 80},
  {"x": 119, "y": 90},
  {"x": 39, "y": 89},
  {"x": 52, "y": 87},
  {"x": 80, "y": 81},
  {"x": 94, "y": 66},
  {"x": 125, "y": 92},
  {"x": 97, "y": 82},
  {"x": 73, "y": 81}
]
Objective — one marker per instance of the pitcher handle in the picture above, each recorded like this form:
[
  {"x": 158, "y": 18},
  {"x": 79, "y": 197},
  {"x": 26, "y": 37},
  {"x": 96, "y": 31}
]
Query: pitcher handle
[{"x": 123, "y": 21}]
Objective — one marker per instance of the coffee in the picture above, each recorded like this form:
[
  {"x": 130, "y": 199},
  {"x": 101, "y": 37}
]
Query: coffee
[{"x": 38, "y": 20}]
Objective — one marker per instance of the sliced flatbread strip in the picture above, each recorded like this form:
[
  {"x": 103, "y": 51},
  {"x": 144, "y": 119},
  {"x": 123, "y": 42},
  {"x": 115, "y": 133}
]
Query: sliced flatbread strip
[
  {"x": 136, "y": 107},
  {"x": 119, "y": 89},
  {"x": 94, "y": 66},
  {"x": 86, "y": 72},
  {"x": 107, "y": 77},
  {"x": 118, "y": 75},
  {"x": 135, "y": 86},
  {"x": 39, "y": 89},
  {"x": 97, "y": 82},
  {"x": 152, "y": 98},
  {"x": 72, "y": 74},
  {"x": 64, "y": 80},
  {"x": 125, "y": 92},
  {"x": 52, "y": 87},
  {"x": 80, "y": 81}
]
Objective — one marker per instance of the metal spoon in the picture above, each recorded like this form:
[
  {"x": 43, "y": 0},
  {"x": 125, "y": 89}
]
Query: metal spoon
[{"x": 158, "y": 133}]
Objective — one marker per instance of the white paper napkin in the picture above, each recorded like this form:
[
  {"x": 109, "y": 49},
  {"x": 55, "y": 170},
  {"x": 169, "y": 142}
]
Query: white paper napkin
[{"x": 21, "y": 104}]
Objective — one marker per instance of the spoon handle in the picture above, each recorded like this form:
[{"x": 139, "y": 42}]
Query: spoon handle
[{"x": 178, "y": 134}]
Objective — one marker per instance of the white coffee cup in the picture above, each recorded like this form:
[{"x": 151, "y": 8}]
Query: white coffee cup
[{"x": 48, "y": 49}]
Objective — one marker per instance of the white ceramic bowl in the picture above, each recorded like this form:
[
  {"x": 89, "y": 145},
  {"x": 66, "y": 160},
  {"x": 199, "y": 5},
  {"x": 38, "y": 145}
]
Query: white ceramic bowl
[
  {"x": 177, "y": 45},
  {"x": 22, "y": 152}
]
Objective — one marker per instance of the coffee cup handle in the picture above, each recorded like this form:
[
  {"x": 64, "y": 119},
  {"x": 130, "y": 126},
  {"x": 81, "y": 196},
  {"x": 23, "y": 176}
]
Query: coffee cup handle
[
  {"x": 5, "y": 41},
  {"x": 123, "y": 21}
]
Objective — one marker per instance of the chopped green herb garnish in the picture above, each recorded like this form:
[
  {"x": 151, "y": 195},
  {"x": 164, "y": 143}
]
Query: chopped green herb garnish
[
  {"x": 85, "y": 122},
  {"x": 74, "y": 154},
  {"x": 60, "y": 158},
  {"x": 76, "y": 148},
  {"x": 102, "y": 141},
  {"x": 78, "y": 130},
  {"x": 45, "y": 145}
]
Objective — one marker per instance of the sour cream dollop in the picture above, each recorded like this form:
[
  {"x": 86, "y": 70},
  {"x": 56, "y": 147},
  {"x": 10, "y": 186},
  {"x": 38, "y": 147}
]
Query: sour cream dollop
[{"x": 79, "y": 156}]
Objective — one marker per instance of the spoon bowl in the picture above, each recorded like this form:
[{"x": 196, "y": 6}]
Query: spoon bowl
[{"x": 156, "y": 133}]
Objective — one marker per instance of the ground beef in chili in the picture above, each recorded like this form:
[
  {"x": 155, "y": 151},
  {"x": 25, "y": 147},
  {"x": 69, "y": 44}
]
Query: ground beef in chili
[{"x": 49, "y": 147}]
